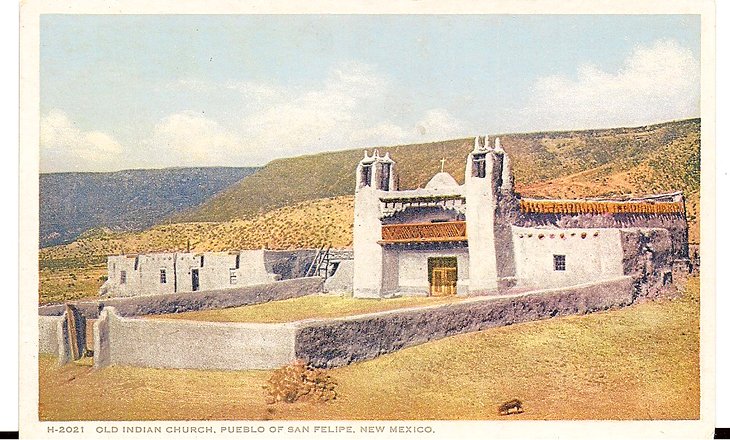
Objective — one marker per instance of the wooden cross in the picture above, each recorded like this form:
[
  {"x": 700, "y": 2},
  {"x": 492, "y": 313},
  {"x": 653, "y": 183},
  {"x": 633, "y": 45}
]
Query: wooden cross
[{"x": 442, "y": 164}]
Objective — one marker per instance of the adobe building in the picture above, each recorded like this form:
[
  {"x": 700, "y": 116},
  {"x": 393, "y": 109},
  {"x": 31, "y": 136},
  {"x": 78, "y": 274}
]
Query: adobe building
[
  {"x": 481, "y": 238},
  {"x": 160, "y": 273}
]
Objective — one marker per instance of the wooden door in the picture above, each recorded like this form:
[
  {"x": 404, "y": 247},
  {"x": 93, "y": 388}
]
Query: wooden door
[{"x": 443, "y": 276}]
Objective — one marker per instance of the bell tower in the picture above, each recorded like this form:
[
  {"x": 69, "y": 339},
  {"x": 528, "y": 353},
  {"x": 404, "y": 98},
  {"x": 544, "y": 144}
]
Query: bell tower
[
  {"x": 481, "y": 205},
  {"x": 374, "y": 176}
]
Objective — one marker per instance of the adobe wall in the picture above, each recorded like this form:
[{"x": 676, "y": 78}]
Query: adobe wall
[
  {"x": 590, "y": 254},
  {"x": 48, "y": 329},
  {"x": 53, "y": 337},
  {"x": 676, "y": 224},
  {"x": 331, "y": 342},
  {"x": 405, "y": 271},
  {"x": 191, "y": 344},
  {"x": 649, "y": 258},
  {"x": 336, "y": 342},
  {"x": 289, "y": 264},
  {"x": 341, "y": 281},
  {"x": 192, "y": 301}
]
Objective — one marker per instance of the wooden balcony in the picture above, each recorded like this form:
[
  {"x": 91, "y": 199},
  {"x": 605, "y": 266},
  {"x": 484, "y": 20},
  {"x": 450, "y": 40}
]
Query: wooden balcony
[{"x": 424, "y": 232}]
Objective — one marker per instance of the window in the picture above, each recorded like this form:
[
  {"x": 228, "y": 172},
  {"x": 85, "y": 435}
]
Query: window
[
  {"x": 479, "y": 165},
  {"x": 385, "y": 176},
  {"x": 136, "y": 263},
  {"x": 232, "y": 276},
  {"x": 163, "y": 276},
  {"x": 202, "y": 260},
  {"x": 123, "y": 277},
  {"x": 559, "y": 262},
  {"x": 366, "y": 175},
  {"x": 238, "y": 261}
]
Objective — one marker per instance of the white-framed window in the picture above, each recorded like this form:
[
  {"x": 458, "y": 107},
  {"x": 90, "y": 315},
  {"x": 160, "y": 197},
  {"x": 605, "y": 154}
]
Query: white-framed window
[
  {"x": 163, "y": 276},
  {"x": 123, "y": 277},
  {"x": 232, "y": 277}
]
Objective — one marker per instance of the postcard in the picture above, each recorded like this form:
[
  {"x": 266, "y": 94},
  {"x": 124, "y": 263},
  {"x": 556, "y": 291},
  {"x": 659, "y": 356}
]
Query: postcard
[{"x": 395, "y": 220}]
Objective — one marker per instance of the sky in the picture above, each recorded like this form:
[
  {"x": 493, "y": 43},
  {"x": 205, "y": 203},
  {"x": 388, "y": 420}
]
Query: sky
[{"x": 153, "y": 91}]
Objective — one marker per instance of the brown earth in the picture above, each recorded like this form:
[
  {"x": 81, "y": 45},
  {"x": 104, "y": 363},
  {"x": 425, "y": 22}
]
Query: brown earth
[{"x": 640, "y": 362}]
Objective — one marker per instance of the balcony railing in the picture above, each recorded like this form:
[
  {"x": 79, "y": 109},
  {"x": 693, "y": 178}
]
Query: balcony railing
[
  {"x": 424, "y": 232},
  {"x": 599, "y": 207}
]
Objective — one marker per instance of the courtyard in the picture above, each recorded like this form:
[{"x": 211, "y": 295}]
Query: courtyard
[{"x": 639, "y": 362}]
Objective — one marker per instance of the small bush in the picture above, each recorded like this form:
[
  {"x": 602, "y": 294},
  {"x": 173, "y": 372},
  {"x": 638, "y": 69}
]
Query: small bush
[{"x": 300, "y": 382}]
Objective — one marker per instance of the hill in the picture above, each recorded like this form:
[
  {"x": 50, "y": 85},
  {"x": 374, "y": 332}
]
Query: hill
[
  {"x": 659, "y": 158},
  {"x": 78, "y": 269},
  {"x": 670, "y": 150},
  {"x": 71, "y": 203}
]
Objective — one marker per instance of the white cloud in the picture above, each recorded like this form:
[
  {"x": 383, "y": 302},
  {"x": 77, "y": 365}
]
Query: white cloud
[
  {"x": 656, "y": 83},
  {"x": 64, "y": 147},
  {"x": 188, "y": 139},
  {"x": 349, "y": 109},
  {"x": 354, "y": 106}
]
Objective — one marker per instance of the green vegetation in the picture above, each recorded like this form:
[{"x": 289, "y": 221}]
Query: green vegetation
[{"x": 535, "y": 157}]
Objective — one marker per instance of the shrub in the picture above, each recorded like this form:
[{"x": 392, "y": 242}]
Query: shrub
[{"x": 300, "y": 382}]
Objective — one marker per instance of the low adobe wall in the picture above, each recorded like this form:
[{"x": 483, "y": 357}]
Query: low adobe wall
[
  {"x": 341, "y": 281},
  {"x": 332, "y": 342},
  {"x": 335, "y": 342},
  {"x": 48, "y": 328},
  {"x": 191, "y": 344},
  {"x": 193, "y": 301},
  {"x": 53, "y": 337}
]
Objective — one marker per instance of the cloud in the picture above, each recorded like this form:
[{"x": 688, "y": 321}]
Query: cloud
[
  {"x": 64, "y": 147},
  {"x": 350, "y": 108},
  {"x": 188, "y": 139},
  {"x": 251, "y": 123},
  {"x": 656, "y": 83}
]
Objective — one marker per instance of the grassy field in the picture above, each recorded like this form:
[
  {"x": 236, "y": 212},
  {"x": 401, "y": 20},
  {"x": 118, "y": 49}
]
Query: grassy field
[
  {"x": 640, "y": 362},
  {"x": 313, "y": 306}
]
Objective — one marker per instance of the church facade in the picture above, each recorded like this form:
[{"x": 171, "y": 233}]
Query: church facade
[{"x": 482, "y": 238}]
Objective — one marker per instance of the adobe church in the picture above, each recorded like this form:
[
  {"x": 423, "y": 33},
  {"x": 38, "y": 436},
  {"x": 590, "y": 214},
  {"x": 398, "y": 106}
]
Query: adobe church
[{"x": 481, "y": 238}]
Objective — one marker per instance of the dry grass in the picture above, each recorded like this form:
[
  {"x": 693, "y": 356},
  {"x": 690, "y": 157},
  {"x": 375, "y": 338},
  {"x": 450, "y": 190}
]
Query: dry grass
[
  {"x": 307, "y": 307},
  {"x": 58, "y": 285},
  {"x": 639, "y": 362},
  {"x": 305, "y": 225}
]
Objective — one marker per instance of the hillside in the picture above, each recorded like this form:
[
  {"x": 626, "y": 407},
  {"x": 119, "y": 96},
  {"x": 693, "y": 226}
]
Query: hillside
[
  {"x": 71, "y": 203},
  {"x": 78, "y": 269},
  {"x": 670, "y": 150},
  {"x": 666, "y": 159},
  {"x": 305, "y": 225}
]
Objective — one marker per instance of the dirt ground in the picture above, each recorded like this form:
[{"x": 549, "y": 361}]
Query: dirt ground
[
  {"x": 640, "y": 362},
  {"x": 312, "y": 306}
]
